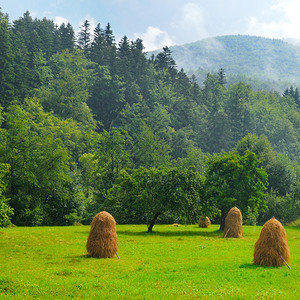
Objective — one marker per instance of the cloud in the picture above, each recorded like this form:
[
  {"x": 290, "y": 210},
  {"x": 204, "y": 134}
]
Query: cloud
[
  {"x": 191, "y": 23},
  {"x": 285, "y": 23},
  {"x": 60, "y": 20},
  {"x": 154, "y": 38}
]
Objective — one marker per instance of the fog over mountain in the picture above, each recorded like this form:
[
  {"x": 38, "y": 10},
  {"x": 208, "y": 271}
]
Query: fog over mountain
[{"x": 244, "y": 56}]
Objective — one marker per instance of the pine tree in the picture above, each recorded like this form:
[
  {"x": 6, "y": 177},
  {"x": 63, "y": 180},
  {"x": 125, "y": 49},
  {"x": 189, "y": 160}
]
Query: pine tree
[
  {"x": 286, "y": 92},
  {"x": 165, "y": 60},
  {"x": 291, "y": 92},
  {"x": 109, "y": 37},
  {"x": 6, "y": 62},
  {"x": 84, "y": 37},
  {"x": 222, "y": 77},
  {"x": 297, "y": 97},
  {"x": 67, "y": 36},
  {"x": 98, "y": 46}
]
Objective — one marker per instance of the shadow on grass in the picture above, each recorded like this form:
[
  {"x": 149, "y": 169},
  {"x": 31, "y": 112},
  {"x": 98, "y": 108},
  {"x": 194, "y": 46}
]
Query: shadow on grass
[
  {"x": 249, "y": 266},
  {"x": 78, "y": 258},
  {"x": 253, "y": 266},
  {"x": 216, "y": 233}
]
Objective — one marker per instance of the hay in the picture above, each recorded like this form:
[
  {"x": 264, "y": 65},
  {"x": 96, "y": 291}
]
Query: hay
[
  {"x": 271, "y": 248},
  {"x": 204, "y": 222},
  {"x": 233, "y": 224},
  {"x": 102, "y": 241}
]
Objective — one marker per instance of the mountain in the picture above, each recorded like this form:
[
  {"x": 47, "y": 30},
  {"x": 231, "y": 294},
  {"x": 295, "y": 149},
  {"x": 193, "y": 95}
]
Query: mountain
[{"x": 248, "y": 57}]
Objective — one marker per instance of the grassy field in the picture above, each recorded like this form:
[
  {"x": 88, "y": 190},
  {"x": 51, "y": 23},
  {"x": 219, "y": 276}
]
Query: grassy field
[{"x": 172, "y": 263}]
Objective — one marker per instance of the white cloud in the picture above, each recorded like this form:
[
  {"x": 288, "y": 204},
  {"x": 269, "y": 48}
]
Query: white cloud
[
  {"x": 286, "y": 26},
  {"x": 190, "y": 25},
  {"x": 60, "y": 20},
  {"x": 154, "y": 38}
]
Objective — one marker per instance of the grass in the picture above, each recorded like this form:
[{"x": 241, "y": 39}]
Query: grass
[{"x": 172, "y": 263}]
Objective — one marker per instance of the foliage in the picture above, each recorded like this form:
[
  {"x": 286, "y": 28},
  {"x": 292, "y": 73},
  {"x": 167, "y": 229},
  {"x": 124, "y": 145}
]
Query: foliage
[
  {"x": 40, "y": 175},
  {"x": 242, "y": 55},
  {"x": 285, "y": 208},
  {"x": 145, "y": 194},
  {"x": 78, "y": 111},
  {"x": 5, "y": 210},
  {"x": 233, "y": 180}
]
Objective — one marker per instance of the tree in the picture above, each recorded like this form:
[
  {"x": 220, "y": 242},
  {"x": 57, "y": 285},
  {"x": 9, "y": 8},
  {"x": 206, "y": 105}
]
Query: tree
[
  {"x": 215, "y": 131},
  {"x": 297, "y": 97},
  {"x": 5, "y": 210},
  {"x": 67, "y": 36},
  {"x": 98, "y": 46},
  {"x": 164, "y": 60},
  {"x": 150, "y": 150},
  {"x": 281, "y": 171},
  {"x": 67, "y": 91},
  {"x": 107, "y": 97},
  {"x": 143, "y": 195},
  {"x": 238, "y": 111},
  {"x": 112, "y": 155},
  {"x": 222, "y": 77},
  {"x": 234, "y": 180},
  {"x": 6, "y": 62},
  {"x": 84, "y": 37},
  {"x": 41, "y": 184}
]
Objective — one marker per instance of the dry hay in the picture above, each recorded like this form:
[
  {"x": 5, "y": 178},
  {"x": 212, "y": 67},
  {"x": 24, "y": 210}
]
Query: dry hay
[
  {"x": 204, "y": 222},
  {"x": 233, "y": 224},
  {"x": 271, "y": 248},
  {"x": 102, "y": 241}
]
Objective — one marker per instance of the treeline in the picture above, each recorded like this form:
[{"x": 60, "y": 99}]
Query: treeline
[{"x": 79, "y": 111}]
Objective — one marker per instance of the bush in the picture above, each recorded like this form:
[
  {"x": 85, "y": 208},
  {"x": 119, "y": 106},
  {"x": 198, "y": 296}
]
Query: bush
[
  {"x": 5, "y": 213},
  {"x": 283, "y": 208}
]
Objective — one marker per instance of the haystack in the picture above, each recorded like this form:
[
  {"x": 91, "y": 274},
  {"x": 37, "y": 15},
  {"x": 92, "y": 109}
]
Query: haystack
[
  {"x": 233, "y": 224},
  {"x": 102, "y": 241},
  {"x": 271, "y": 248},
  {"x": 204, "y": 222}
]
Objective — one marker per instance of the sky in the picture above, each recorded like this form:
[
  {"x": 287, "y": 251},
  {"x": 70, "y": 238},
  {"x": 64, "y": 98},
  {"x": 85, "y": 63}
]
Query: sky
[{"x": 162, "y": 23}]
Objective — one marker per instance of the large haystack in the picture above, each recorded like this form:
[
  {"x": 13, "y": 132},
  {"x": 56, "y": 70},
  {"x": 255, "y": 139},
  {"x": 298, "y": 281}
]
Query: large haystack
[
  {"x": 102, "y": 241},
  {"x": 233, "y": 224},
  {"x": 271, "y": 248},
  {"x": 204, "y": 222}
]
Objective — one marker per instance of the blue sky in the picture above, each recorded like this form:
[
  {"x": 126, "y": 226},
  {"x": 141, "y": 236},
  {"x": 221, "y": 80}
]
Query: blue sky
[{"x": 169, "y": 22}]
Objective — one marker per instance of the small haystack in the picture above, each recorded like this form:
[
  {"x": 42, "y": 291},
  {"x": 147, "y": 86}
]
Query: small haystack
[
  {"x": 271, "y": 248},
  {"x": 102, "y": 241},
  {"x": 233, "y": 224},
  {"x": 204, "y": 222}
]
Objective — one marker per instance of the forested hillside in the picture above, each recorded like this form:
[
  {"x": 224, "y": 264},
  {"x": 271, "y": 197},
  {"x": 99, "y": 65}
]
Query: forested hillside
[
  {"x": 264, "y": 63},
  {"x": 85, "y": 119}
]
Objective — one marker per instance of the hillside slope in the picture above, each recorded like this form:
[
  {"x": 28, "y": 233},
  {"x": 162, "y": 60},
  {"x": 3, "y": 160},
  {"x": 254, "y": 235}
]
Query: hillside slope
[{"x": 263, "y": 58}]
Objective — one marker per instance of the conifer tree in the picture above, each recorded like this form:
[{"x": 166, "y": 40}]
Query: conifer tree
[
  {"x": 84, "y": 36},
  {"x": 222, "y": 77},
  {"x": 67, "y": 36},
  {"x": 6, "y": 62},
  {"x": 98, "y": 46}
]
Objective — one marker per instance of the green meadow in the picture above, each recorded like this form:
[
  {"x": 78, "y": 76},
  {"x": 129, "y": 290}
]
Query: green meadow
[{"x": 184, "y": 262}]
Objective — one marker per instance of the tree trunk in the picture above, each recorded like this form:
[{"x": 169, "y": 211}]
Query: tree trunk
[
  {"x": 152, "y": 223},
  {"x": 223, "y": 216}
]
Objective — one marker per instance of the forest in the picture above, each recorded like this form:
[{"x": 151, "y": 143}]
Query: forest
[
  {"x": 91, "y": 124},
  {"x": 264, "y": 63}
]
